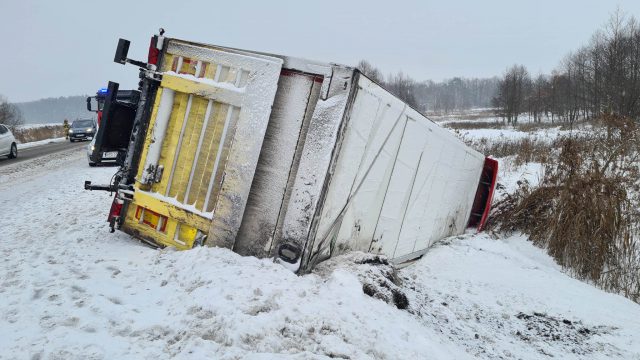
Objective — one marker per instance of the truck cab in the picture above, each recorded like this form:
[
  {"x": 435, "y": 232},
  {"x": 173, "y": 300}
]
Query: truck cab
[
  {"x": 102, "y": 147},
  {"x": 96, "y": 103}
]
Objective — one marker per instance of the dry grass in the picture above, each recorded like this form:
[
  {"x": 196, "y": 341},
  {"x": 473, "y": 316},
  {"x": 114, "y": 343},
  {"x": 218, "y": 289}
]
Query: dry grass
[
  {"x": 525, "y": 150},
  {"x": 534, "y": 126},
  {"x": 24, "y": 135},
  {"x": 585, "y": 211},
  {"x": 481, "y": 122},
  {"x": 471, "y": 125},
  {"x": 462, "y": 114}
]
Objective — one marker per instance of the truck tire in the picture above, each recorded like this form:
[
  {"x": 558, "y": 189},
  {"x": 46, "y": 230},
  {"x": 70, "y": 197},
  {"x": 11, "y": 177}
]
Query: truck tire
[{"x": 13, "y": 153}]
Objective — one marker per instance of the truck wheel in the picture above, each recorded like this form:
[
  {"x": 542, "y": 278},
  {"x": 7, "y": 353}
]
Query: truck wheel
[
  {"x": 14, "y": 151},
  {"x": 92, "y": 164}
]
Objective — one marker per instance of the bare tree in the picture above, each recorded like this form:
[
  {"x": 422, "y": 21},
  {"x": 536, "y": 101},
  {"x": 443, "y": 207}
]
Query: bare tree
[
  {"x": 370, "y": 71},
  {"x": 512, "y": 92},
  {"x": 537, "y": 99},
  {"x": 10, "y": 115},
  {"x": 602, "y": 77},
  {"x": 402, "y": 86}
]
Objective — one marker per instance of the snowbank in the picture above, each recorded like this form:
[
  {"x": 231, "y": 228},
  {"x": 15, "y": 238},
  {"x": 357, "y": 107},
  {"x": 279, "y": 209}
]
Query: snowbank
[{"x": 41, "y": 142}]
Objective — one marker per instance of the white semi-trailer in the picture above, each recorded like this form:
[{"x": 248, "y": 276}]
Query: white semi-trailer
[{"x": 275, "y": 156}]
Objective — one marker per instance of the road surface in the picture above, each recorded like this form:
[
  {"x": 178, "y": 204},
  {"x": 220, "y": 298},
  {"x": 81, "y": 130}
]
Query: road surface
[{"x": 42, "y": 150}]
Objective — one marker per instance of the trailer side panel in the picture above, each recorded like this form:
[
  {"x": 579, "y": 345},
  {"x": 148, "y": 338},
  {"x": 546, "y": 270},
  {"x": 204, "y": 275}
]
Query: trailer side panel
[
  {"x": 296, "y": 98},
  {"x": 400, "y": 182},
  {"x": 309, "y": 183}
]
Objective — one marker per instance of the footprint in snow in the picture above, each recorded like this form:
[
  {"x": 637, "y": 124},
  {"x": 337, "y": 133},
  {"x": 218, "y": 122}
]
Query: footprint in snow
[
  {"x": 78, "y": 289},
  {"x": 37, "y": 294},
  {"x": 70, "y": 322},
  {"x": 115, "y": 271},
  {"x": 115, "y": 300}
]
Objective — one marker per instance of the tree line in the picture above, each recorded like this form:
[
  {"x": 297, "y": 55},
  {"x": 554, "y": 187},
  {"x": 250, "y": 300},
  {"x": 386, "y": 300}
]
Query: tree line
[
  {"x": 43, "y": 111},
  {"x": 602, "y": 77},
  {"x": 599, "y": 78},
  {"x": 55, "y": 110},
  {"x": 429, "y": 96}
]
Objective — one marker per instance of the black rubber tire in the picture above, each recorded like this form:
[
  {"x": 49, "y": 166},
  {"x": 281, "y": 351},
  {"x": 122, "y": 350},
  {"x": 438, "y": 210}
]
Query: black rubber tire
[
  {"x": 13, "y": 153},
  {"x": 71, "y": 140},
  {"x": 92, "y": 164}
]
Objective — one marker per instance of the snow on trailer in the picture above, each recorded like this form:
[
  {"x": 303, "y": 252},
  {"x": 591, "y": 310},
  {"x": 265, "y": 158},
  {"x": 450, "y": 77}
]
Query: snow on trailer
[{"x": 274, "y": 156}]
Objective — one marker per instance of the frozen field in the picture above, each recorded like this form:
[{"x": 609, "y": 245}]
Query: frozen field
[{"x": 71, "y": 290}]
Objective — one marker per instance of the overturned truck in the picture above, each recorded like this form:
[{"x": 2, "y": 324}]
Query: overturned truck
[{"x": 276, "y": 156}]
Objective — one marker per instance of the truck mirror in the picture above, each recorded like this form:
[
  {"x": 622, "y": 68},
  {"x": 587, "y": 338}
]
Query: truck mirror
[
  {"x": 89, "y": 103},
  {"x": 122, "y": 51}
]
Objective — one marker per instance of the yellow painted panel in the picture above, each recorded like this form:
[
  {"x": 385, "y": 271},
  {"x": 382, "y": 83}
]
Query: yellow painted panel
[
  {"x": 167, "y": 62},
  {"x": 206, "y": 163},
  {"x": 170, "y": 143},
  {"x": 210, "y": 71},
  {"x": 181, "y": 224},
  {"x": 151, "y": 218},
  {"x": 187, "y": 234},
  {"x": 187, "y": 151},
  {"x": 132, "y": 226},
  {"x": 188, "y": 66},
  {"x": 206, "y": 159},
  {"x": 226, "y": 94},
  {"x": 171, "y": 211}
]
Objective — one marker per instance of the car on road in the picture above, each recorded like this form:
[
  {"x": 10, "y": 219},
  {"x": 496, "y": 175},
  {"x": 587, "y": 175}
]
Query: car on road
[
  {"x": 84, "y": 129},
  {"x": 105, "y": 157},
  {"x": 8, "y": 143}
]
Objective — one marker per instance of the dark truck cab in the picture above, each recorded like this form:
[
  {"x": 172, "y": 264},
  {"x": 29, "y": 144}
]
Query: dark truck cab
[
  {"x": 111, "y": 140},
  {"x": 128, "y": 96}
]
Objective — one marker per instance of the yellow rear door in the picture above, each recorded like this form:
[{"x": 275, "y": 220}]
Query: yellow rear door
[{"x": 202, "y": 145}]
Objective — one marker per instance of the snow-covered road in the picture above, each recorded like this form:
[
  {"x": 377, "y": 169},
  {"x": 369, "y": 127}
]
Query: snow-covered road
[{"x": 71, "y": 290}]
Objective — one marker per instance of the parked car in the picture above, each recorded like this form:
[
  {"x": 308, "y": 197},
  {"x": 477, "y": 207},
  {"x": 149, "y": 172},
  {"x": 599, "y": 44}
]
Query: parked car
[
  {"x": 82, "y": 130},
  {"x": 105, "y": 157},
  {"x": 8, "y": 145}
]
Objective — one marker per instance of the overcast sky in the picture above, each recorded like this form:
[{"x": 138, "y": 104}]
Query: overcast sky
[{"x": 61, "y": 48}]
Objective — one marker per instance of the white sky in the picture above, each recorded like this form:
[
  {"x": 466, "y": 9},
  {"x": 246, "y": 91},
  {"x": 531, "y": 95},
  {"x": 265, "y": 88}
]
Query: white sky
[{"x": 60, "y": 48}]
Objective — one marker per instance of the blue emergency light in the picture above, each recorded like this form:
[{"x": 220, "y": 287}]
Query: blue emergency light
[{"x": 103, "y": 91}]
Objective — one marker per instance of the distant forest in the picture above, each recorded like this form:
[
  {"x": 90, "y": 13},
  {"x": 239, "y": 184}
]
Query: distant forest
[
  {"x": 426, "y": 96},
  {"x": 439, "y": 97},
  {"x": 455, "y": 94},
  {"x": 601, "y": 77},
  {"x": 54, "y": 110}
]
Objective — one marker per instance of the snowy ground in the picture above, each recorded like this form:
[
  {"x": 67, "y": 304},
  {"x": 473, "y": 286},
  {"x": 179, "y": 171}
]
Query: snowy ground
[
  {"x": 546, "y": 135},
  {"x": 71, "y": 290}
]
